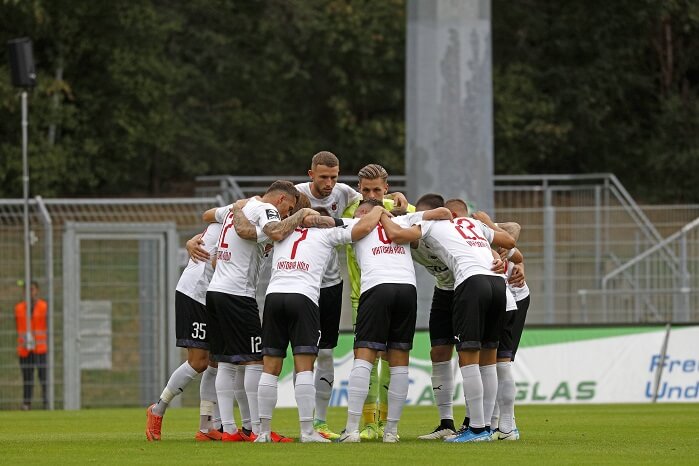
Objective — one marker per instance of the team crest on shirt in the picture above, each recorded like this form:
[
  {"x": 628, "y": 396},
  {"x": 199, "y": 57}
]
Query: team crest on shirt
[
  {"x": 334, "y": 206},
  {"x": 272, "y": 214}
]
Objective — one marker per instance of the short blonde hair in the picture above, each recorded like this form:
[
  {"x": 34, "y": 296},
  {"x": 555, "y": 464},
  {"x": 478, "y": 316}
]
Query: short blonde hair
[{"x": 373, "y": 171}]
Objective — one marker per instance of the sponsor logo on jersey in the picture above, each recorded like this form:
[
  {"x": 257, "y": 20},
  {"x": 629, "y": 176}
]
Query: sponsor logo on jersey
[{"x": 272, "y": 214}]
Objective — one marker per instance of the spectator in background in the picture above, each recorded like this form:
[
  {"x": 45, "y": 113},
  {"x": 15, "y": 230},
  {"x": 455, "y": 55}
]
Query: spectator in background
[{"x": 32, "y": 355}]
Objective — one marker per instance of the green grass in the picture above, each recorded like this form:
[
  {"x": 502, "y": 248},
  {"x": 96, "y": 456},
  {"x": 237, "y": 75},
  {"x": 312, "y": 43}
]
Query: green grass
[{"x": 609, "y": 434}]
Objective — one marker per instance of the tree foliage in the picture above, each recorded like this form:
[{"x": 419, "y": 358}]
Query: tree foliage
[{"x": 140, "y": 97}]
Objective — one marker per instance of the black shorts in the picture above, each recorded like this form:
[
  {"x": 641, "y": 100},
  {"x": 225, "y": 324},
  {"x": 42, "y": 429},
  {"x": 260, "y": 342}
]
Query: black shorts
[
  {"x": 441, "y": 322},
  {"x": 191, "y": 322},
  {"x": 235, "y": 331},
  {"x": 386, "y": 317},
  {"x": 479, "y": 312},
  {"x": 512, "y": 330},
  {"x": 290, "y": 318},
  {"x": 330, "y": 306}
]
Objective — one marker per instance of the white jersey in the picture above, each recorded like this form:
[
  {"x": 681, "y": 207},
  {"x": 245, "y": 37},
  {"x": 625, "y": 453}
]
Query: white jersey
[
  {"x": 195, "y": 278},
  {"x": 300, "y": 259},
  {"x": 424, "y": 256},
  {"x": 519, "y": 293},
  {"x": 335, "y": 203},
  {"x": 238, "y": 260},
  {"x": 462, "y": 244},
  {"x": 383, "y": 261}
]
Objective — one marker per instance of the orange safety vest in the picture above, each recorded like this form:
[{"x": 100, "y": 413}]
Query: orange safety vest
[{"x": 38, "y": 327}]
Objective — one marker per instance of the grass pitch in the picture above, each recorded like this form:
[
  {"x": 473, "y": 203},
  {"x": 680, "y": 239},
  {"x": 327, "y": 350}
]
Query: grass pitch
[{"x": 552, "y": 434}]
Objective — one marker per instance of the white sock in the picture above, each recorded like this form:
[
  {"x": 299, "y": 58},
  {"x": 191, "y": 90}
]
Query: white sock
[
  {"x": 216, "y": 421},
  {"x": 324, "y": 379},
  {"x": 495, "y": 418},
  {"x": 267, "y": 400},
  {"x": 253, "y": 372},
  {"x": 241, "y": 397},
  {"x": 506, "y": 396},
  {"x": 443, "y": 388},
  {"x": 489, "y": 377},
  {"x": 473, "y": 394},
  {"x": 175, "y": 386},
  {"x": 225, "y": 392},
  {"x": 357, "y": 390},
  {"x": 207, "y": 395},
  {"x": 305, "y": 392},
  {"x": 397, "y": 394}
]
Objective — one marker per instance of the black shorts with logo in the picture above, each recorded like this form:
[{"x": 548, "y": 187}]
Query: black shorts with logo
[
  {"x": 191, "y": 322},
  {"x": 441, "y": 321},
  {"x": 330, "y": 306},
  {"x": 290, "y": 318},
  {"x": 512, "y": 330},
  {"x": 386, "y": 317},
  {"x": 479, "y": 312},
  {"x": 235, "y": 332}
]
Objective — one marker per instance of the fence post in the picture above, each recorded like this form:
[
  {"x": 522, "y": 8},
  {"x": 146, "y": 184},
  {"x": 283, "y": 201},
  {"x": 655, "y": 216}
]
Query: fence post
[
  {"x": 48, "y": 251},
  {"x": 549, "y": 256},
  {"x": 682, "y": 314}
]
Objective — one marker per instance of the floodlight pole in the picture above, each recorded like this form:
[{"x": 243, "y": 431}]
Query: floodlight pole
[{"x": 27, "y": 245}]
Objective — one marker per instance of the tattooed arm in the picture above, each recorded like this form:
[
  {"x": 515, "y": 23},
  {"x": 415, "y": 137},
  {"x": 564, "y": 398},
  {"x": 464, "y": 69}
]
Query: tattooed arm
[
  {"x": 277, "y": 231},
  {"x": 242, "y": 225},
  {"x": 319, "y": 221}
]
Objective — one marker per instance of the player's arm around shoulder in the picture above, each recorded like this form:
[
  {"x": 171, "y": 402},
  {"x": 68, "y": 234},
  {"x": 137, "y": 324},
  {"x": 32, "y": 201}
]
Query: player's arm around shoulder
[
  {"x": 243, "y": 226},
  {"x": 440, "y": 213},
  {"x": 277, "y": 231},
  {"x": 500, "y": 237},
  {"x": 397, "y": 233},
  {"x": 367, "y": 223}
]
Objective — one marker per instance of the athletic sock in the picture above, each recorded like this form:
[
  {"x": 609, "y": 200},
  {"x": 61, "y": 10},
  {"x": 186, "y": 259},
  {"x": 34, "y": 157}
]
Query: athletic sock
[
  {"x": 489, "y": 378},
  {"x": 241, "y": 397},
  {"x": 506, "y": 396},
  {"x": 225, "y": 392},
  {"x": 397, "y": 394},
  {"x": 323, "y": 379},
  {"x": 305, "y": 392},
  {"x": 495, "y": 418},
  {"x": 207, "y": 397},
  {"x": 369, "y": 408},
  {"x": 357, "y": 390},
  {"x": 443, "y": 388},
  {"x": 216, "y": 421},
  {"x": 473, "y": 394},
  {"x": 267, "y": 400},
  {"x": 175, "y": 386},
  {"x": 384, "y": 382},
  {"x": 253, "y": 372}
]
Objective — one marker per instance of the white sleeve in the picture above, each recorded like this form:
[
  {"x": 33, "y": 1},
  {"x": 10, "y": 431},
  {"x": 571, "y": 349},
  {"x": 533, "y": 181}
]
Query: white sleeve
[
  {"x": 487, "y": 232},
  {"x": 339, "y": 235},
  {"x": 222, "y": 213},
  {"x": 425, "y": 227},
  {"x": 264, "y": 214},
  {"x": 412, "y": 218},
  {"x": 350, "y": 193}
]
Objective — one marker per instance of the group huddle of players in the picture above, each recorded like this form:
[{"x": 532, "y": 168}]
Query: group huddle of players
[{"x": 479, "y": 306}]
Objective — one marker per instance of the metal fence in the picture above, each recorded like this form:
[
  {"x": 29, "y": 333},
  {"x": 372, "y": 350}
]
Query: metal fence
[
  {"x": 108, "y": 267},
  {"x": 576, "y": 229}
]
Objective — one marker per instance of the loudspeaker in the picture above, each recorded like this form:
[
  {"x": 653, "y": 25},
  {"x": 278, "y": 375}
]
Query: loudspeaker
[{"x": 22, "y": 62}]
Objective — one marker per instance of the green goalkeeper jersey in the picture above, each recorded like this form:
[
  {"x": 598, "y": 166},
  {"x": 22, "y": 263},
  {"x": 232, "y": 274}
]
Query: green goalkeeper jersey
[{"x": 355, "y": 275}]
